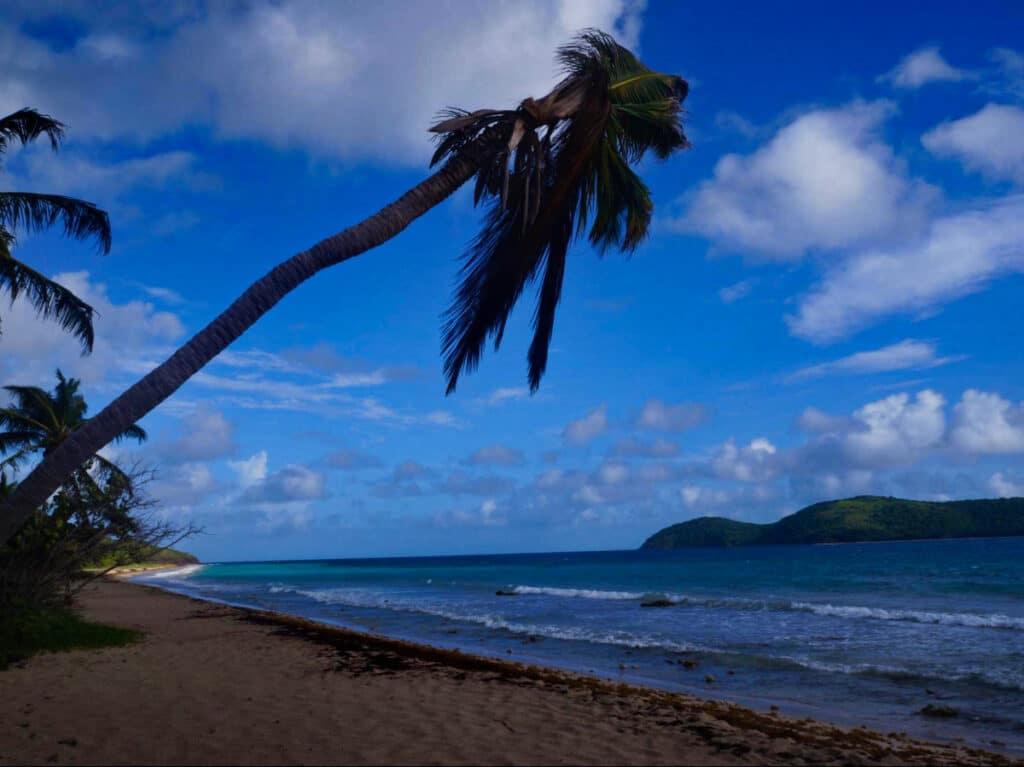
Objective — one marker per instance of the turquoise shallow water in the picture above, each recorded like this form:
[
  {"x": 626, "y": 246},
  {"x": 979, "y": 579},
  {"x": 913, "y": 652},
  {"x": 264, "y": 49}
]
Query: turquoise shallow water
[{"x": 857, "y": 633}]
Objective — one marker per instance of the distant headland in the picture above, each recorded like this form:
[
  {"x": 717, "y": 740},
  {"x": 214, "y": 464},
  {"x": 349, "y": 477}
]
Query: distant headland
[{"x": 855, "y": 520}]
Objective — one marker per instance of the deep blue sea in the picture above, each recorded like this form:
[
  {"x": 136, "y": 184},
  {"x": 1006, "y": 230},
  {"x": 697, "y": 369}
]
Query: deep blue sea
[{"x": 854, "y": 633}]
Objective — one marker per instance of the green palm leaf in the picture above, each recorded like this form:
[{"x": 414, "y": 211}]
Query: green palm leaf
[
  {"x": 547, "y": 171},
  {"x": 50, "y": 299}
]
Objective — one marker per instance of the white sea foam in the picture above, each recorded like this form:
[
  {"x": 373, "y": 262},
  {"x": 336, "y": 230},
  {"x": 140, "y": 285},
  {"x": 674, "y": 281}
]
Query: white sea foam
[
  {"x": 580, "y": 593},
  {"x": 972, "y": 620},
  {"x": 854, "y": 612},
  {"x": 177, "y": 573}
]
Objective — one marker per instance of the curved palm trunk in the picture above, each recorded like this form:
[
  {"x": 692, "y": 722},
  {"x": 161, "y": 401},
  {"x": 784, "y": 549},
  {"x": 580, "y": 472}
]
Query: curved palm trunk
[{"x": 164, "y": 380}]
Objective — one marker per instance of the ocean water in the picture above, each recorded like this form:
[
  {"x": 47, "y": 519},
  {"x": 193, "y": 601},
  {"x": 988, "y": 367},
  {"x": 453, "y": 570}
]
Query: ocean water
[{"x": 854, "y": 633}]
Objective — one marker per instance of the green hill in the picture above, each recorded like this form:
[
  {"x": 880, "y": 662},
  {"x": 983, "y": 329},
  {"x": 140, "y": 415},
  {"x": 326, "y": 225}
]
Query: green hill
[{"x": 864, "y": 518}]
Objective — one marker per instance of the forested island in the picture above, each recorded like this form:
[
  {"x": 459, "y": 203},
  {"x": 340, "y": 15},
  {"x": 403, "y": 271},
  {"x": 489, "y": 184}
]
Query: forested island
[{"x": 852, "y": 520}]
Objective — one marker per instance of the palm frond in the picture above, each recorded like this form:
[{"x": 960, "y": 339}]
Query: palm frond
[
  {"x": 50, "y": 299},
  {"x": 548, "y": 170},
  {"x": 35, "y": 212},
  {"x": 135, "y": 432},
  {"x": 26, "y": 125}
]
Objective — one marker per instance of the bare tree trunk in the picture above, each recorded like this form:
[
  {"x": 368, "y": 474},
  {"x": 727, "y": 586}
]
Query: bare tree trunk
[{"x": 164, "y": 380}]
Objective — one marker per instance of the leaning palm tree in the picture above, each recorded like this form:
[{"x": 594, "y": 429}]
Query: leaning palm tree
[
  {"x": 546, "y": 170},
  {"x": 30, "y": 211}
]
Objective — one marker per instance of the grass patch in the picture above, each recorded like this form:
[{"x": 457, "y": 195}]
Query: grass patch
[{"x": 26, "y": 633}]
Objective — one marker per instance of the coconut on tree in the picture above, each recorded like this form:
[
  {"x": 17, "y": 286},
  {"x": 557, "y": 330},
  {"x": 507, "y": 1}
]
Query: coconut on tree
[{"x": 548, "y": 171}]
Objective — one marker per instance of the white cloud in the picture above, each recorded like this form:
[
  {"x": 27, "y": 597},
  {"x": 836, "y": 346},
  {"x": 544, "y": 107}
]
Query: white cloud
[
  {"x": 496, "y": 455},
  {"x": 826, "y": 180},
  {"x": 699, "y": 497},
  {"x": 904, "y": 355},
  {"x": 1005, "y": 487},
  {"x": 508, "y": 393},
  {"x": 732, "y": 293},
  {"x": 959, "y": 254},
  {"x": 251, "y": 470},
  {"x": 587, "y": 428},
  {"x": 185, "y": 485},
  {"x": 300, "y": 73},
  {"x": 292, "y": 483},
  {"x": 896, "y": 429},
  {"x": 984, "y": 422},
  {"x": 658, "y": 415},
  {"x": 991, "y": 141},
  {"x": 130, "y": 338},
  {"x": 753, "y": 462},
  {"x": 613, "y": 472},
  {"x": 817, "y": 421},
  {"x": 925, "y": 65},
  {"x": 70, "y": 172},
  {"x": 205, "y": 434}
]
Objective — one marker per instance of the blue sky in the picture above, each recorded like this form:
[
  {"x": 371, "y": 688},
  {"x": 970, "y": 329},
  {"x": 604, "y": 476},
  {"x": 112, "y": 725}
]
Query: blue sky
[{"x": 828, "y": 304}]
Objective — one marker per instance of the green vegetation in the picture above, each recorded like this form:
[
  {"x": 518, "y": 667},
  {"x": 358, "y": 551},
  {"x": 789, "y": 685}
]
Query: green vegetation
[
  {"x": 30, "y": 632},
  {"x": 99, "y": 518},
  {"x": 146, "y": 556},
  {"x": 864, "y": 518}
]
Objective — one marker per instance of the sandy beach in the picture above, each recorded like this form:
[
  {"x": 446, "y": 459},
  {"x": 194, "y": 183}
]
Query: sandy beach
[{"x": 219, "y": 685}]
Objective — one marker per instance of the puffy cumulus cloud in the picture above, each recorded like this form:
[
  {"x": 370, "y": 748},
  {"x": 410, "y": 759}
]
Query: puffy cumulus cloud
[
  {"x": 613, "y": 472},
  {"x": 322, "y": 65},
  {"x": 959, "y": 254},
  {"x": 923, "y": 66},
  {"x": 904, "y": 355},
  {"x": 292, "y": 483},
  {"x": 205, "y": 434},
  {"x": 188, "y": 484},
  {"x": 701, "y": 497},
  {"x": 487, "y": 514},
  {"x": 754, "y": 462},
  {"x": 252, "y": 470},
  {"x": 404, "y": 481},
  {"x": 659, "y": 448},
  {"x": 352, "y": 460},
  {"x": 1004, "y": 487},
  {"x": 984, "y": 422},
  {"x": 658, "y": 415},
  {"x": 818, "y": 421},
  {"x": 496, "y": 455},
  {"x": 587, "y": 428},
  {"x": 131, "y": 337},
  {"x": 991, "y": 141},
  {"x": 896, "y": 429},
  {"x": 826, "y": 180}
]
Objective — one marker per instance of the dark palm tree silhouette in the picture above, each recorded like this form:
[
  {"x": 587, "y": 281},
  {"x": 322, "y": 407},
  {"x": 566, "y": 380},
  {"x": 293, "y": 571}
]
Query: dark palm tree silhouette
[
  {"x": 38, "y": 422},
  {"x": 32, "y": 212},
  {"x": 545, "y": 169}
]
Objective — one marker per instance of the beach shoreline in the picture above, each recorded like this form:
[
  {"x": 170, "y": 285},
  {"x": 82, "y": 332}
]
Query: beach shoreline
[{"x": 217, "y": 684}]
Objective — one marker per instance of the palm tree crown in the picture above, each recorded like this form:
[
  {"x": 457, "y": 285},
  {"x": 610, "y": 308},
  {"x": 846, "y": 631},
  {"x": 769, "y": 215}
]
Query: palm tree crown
[
  {"x": 33, "y": 212},
  {"x": 548, "y": 169},
  {"x": 37, "y": 421}
]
